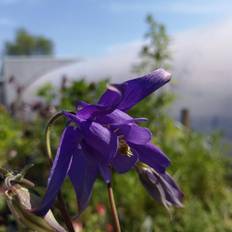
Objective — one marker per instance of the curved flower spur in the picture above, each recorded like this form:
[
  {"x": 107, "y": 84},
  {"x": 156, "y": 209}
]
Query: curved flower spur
[{"x": 103, "y": 137}]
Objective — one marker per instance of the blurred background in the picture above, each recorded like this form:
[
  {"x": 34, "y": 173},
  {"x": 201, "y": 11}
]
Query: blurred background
[{"x": 56, "y": 53}]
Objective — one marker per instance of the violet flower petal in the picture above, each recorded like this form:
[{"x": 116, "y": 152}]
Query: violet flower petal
[
  {"x": 72, "y": 117},
  {"x": 173, "y": 193},
  {"x": 81, "y": 104},
  {"x": 100, "y": 138},
  {"x": 151, "y": 185},
  {"x": 133, "y": 133},
  {"x": 122, "y": 163},
  {"x": 105, "y": 173},
  {"x": 67, "y": 147},
  {"x": 108, "y": 104},
  {"x": 118, "y": 117},
  {"x": 135, "y": 90},
  {"x": 111, "y": 97},
  {"x": 92, "y": 111},
  {"x": 152, "y": 156},
  {"x": 83, "y": 173}
]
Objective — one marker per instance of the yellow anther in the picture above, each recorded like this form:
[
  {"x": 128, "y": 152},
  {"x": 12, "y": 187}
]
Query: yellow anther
[{"x": 124, "y": 148}]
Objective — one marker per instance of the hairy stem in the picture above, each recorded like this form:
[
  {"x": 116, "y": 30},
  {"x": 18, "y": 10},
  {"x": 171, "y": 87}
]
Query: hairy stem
[
  {"x": 61, "y": 204},
  {"x": 113, "y": 208}
]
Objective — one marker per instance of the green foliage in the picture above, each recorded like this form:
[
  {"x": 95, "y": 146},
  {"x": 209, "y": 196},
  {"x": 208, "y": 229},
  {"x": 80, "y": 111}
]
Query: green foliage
[
  {"x": 27, "y": 44},
  {"x": 9, "y": 134},
  {"x": 80, "y": 90},
  {"x": 47, "y": 92},
  {"x": 155, "y": 53}
]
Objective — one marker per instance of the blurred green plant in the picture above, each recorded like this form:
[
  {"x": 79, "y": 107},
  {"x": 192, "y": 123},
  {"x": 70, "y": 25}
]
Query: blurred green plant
[{"x": 155, "y": 53}]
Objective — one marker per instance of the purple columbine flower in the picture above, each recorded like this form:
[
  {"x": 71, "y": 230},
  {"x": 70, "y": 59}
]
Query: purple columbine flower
[{"x": 103, "y": 137}]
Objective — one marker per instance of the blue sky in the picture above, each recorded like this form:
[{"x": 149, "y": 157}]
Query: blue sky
[{"x": 86, "y": 28}]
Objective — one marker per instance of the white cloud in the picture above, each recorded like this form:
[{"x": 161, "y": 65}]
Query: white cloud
[{"x": 202, "y": 66}]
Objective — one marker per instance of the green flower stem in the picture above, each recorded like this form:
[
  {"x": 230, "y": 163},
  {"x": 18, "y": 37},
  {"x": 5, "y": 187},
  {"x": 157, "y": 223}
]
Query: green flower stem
[
  {"x": 51, "y": 121},
  {"x": 61, "y": 204},
  {"x": 113, "y": 208}
]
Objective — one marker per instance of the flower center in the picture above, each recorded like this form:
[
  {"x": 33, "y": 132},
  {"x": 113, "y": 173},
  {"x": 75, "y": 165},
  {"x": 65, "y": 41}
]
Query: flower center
[{"x": 124, "y": 148}]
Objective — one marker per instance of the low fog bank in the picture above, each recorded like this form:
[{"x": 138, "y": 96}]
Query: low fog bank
[{"x": 201, "y": 65}]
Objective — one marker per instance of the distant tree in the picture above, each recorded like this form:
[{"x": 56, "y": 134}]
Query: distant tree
[
  {"x": 155, "y": 53},
  {"x": 28, "y": 44}
]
